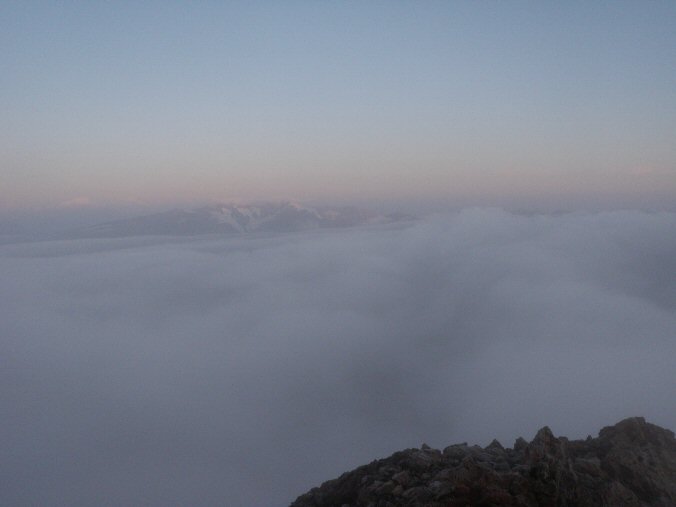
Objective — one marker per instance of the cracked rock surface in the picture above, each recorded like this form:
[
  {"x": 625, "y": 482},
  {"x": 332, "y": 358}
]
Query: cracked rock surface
[{"x": 632, "y": 463}]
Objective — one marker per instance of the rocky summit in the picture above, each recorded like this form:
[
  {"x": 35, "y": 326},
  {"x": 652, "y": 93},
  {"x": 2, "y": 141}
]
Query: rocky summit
[{"x": 632, "y": 463}]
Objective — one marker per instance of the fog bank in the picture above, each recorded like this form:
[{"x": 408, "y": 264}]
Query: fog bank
[{"x": 244, "y": 370}]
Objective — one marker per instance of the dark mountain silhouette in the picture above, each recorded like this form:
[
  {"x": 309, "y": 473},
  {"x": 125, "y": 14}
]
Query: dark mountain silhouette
[{"x": 632, "y": 464}]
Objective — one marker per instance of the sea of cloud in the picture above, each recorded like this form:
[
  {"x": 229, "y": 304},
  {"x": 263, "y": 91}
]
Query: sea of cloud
[{"x": 242, "y": 371}]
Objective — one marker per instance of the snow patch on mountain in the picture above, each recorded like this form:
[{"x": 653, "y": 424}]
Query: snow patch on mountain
[{"x": 240, "y": 218}]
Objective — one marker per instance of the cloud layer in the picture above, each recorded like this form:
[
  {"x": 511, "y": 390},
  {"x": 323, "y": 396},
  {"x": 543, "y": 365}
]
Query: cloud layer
[{"x": 242, "y": 371}]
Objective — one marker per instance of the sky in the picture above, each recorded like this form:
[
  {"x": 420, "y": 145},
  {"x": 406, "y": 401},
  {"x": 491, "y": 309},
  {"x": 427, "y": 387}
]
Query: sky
[
  {"x": 244, "y": 370},
  {"x": 570, "y": 105}
]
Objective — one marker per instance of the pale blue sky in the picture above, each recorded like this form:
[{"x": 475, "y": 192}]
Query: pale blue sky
[{"x": 108, "y": 102}]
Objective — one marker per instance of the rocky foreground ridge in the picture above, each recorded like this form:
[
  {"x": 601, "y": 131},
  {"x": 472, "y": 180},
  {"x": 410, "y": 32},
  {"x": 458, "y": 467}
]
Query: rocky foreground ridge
[{"x": 632, "y": 463}]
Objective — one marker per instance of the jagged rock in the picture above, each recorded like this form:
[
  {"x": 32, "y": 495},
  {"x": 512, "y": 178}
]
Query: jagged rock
[
  {"x": 520, "y": 444},
  {"x": 632, "y": 464},
  {"x": 495, "y": 445},
  {"x": 403, "y": 478},
  {"x": 457, "y": 451}
]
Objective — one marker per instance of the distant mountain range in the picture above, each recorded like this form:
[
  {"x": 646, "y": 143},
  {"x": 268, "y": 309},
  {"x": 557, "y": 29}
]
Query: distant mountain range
[{"x": 239, "y": 219}]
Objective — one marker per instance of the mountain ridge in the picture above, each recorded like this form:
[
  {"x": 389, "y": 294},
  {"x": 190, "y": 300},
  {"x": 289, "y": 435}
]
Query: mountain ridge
[
  {"x": 632, "y": 464},
  {"x": 229, "y": 218}
]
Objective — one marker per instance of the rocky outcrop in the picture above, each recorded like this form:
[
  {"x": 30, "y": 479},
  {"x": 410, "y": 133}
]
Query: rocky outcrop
[{"x": 630, "y": 464}]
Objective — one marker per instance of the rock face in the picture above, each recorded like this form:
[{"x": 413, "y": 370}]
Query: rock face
[{"x": 630, "y": 464}]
